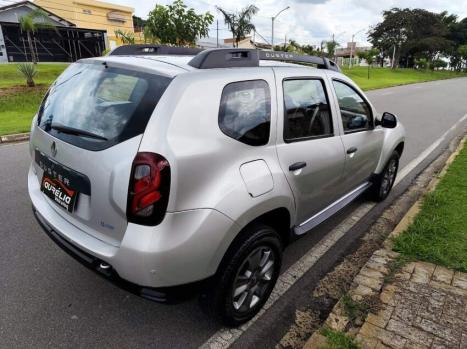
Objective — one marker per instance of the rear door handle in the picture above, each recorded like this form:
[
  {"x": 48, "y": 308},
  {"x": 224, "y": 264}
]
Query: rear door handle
[
  {"x": 297, "y": 166},
  {"x": 352, "y": 150}
]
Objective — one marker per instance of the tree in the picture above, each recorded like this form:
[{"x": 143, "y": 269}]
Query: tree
[
  {"x": 331, "y": 48},
  {"x": 412, "y": 34},
  {"x": 462, "y": 50},
  {"x": 369, "y": 56},
  {"x": 32, "y": 22},
  {"x": 126, "y": 37},
  {"x": 239, "y": 23},
  {"x": 175, "y": 24},
  {"x": 294, "y": 46},
  {"x": 438, "y": 64}
]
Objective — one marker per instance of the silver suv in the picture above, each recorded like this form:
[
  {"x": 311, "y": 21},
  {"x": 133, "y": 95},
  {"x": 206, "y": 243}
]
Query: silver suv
[{"x": 162, "y": 169}]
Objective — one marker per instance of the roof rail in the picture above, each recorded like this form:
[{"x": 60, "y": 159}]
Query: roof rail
[
  {"x": 223, "y": 57},
  {"x": 321, "y": 62},
  {"x": 238, "y": 57},
  {"x": 151, "y": 49}
]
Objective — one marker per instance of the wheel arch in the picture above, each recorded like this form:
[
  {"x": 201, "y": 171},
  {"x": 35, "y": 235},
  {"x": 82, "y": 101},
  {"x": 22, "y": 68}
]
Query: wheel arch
[
  {"x": 278, "y": 218},
  {"x": 394, "y": 140}
]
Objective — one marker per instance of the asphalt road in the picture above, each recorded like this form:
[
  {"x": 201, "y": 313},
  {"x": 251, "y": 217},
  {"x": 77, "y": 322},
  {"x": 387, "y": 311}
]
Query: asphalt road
[{"x": 47, "y": 299}]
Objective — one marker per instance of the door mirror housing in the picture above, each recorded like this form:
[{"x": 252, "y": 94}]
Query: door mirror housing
[{"x": 388, "y": 120}]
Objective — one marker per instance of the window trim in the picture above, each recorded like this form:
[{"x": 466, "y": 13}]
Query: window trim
[
  {"x": 372, "y": 121},
  {"x": 308, "y": 138},
  {"x": 270, "y": 112}
]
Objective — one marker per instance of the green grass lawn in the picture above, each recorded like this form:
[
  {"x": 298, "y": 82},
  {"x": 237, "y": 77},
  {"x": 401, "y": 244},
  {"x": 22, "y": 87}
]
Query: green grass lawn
[
  {"x": 18, "y": 108},
  {"x": 46, "y": 74},
  {"x": 18, "y": 103},
  {"x": 386, "y": 77},
  {"x": 439, "y": 232}
]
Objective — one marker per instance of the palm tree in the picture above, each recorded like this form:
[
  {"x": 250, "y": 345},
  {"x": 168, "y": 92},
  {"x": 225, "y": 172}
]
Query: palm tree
[
  {"x": 239, "y": 23},
  {"x": 33, "y": 21},
  {"x": 331, "y": 48},
  {"x": 128, "y": 38}
]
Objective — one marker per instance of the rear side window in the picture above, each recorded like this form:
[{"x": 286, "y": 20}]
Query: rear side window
[
  {"x": 245, "y": 112},
  {"x": 307, "y": 113},
  {"x": 94, "y": 105}
]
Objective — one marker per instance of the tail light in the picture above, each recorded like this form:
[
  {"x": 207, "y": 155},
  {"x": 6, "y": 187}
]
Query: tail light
[{"x": 148, "y": 192}]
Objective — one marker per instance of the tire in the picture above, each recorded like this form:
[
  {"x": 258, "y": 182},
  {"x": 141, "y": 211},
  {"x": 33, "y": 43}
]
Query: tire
[
  {"x": 384, "y": 182},
  {"x": 246, "y": 277}
]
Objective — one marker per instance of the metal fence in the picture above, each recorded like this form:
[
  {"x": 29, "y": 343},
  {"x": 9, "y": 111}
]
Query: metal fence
[{"x": 61, "y": 44}]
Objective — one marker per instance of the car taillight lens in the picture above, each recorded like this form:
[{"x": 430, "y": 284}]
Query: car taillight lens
[{"x": 148, "y": 192}]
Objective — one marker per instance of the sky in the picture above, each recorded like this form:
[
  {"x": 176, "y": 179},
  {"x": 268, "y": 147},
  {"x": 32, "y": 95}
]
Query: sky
[{"x": 307, "y": 21}]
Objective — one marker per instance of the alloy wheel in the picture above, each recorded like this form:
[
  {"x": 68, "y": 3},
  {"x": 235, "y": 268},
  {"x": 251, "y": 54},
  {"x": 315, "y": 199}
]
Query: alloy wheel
[
  {"x": 389, "y": 177},
  {"x": 253, "y": 279}
]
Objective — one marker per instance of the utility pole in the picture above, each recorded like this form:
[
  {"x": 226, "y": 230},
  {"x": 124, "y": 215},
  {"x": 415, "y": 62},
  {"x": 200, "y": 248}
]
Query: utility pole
[
  {"x": 217, "y": 34},
  {"x": 272, "y": 25},
  {"x": 393, "y": 57},
  {"x": 352, "y": 46},
  {"x": 272, "y": 34}
]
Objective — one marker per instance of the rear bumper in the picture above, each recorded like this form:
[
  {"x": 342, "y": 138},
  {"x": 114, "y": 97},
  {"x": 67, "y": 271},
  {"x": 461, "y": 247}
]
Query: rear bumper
[
  {"x": 163, "y": 295},
  {"x": 185, "y": 248}
]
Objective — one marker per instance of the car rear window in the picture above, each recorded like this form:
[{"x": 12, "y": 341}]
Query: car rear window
[{"x": 95, "y": 105}]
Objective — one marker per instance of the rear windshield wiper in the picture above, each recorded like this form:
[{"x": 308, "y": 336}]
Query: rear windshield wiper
[{"x": 75, "y": 131}]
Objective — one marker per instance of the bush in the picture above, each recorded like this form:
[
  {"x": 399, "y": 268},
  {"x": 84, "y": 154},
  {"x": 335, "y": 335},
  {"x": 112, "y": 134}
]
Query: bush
[
  {"x": 422, "y": 63},
  {"x": 439, "y": 64},
  {"x": 29, "y": 72}
]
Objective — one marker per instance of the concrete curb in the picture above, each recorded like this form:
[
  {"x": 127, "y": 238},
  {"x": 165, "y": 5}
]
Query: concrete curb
[
  {"x": 370, "y": 281},
  {"x": 14, "y": 138}
]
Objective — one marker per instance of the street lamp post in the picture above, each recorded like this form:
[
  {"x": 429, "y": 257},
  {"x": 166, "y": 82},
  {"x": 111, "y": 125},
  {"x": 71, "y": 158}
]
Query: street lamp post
[
  {"x": 272, "y": 27},
  {"x": 351, "y": 46}
]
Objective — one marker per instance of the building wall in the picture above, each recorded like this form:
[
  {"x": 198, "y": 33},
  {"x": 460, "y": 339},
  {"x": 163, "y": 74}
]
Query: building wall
[
  {"x": 3, "y": 53},
  {"x": 92, "y": 14}
]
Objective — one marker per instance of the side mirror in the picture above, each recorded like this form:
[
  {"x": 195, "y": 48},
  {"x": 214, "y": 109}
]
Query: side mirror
[{"x": 388, "y": 120}]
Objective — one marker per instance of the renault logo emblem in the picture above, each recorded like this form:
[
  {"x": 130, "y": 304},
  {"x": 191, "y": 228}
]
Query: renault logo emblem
[{"x": 53, "y": 149}]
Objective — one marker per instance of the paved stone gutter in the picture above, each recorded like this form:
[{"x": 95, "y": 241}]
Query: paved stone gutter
[{"x": 420, "y": 305}]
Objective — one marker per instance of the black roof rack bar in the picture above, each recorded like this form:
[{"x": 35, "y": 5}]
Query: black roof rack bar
[
  {"x": 226, "y": 58},
  {"x": 151, "y": 49},
  {"x": 321, "y": 62},
  {"x": 239, "y": 57},
  {"x": 223, "y": 57}
]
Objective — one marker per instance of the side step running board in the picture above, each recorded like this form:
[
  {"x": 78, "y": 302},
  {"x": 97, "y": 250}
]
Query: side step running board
[{"x": 327, "y": 212}]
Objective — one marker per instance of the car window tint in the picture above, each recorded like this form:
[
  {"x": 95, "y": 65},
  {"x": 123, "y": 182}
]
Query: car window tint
[
  {"x": 307, "y": 113},
  {"x": 116, "y": 88},
  {"x": 113, "y": 103},
  {"x": 355, "y": 111},
  {"x": 245, "y": 112}
]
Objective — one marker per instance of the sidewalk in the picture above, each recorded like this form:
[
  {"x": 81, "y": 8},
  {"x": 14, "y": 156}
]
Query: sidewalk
[
  {"x": 425, "y": 307},
  {"x": 396, "y": 303}
]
